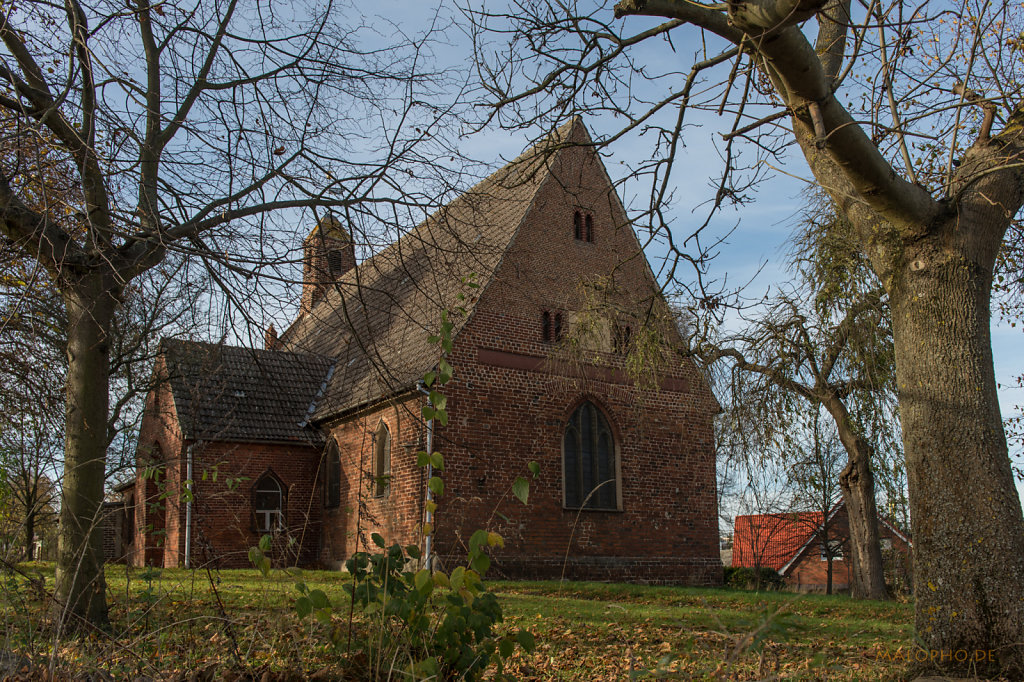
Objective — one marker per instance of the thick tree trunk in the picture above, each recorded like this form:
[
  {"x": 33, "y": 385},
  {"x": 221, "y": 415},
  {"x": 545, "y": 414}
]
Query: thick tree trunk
[
  {"x": 867, "y": 572},
  {"x": 857, "y": 481},
  {"x": 80, "y": 591},
  {"x": 966, "y": 516}
]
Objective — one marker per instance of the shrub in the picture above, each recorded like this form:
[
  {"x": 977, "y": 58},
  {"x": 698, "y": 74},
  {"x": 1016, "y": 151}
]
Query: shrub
[{"x": 745, "y": 578}]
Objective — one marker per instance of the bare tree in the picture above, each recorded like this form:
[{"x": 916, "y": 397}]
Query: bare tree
[
  {"x": 186, "y": 127},
  {"x": 815, "y": 472},
  {"x": 910, "y": 119},
  {"x": 827, "y": 342}
]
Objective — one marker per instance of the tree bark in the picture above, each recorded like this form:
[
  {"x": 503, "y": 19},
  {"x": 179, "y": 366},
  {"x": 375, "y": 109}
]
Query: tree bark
[
  {"x": 965, "y": 513},
  {"x": 857, "y": 481},
  {"x": 867, "y": 572},
  {"x": 80, "y": 592}
]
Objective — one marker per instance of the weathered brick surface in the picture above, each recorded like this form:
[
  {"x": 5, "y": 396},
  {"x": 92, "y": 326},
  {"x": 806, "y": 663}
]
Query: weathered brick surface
[
  {"x": 509, "y": 403},
  {"x": 224, "y": 475},
  {"x": 503, "y": 417}
]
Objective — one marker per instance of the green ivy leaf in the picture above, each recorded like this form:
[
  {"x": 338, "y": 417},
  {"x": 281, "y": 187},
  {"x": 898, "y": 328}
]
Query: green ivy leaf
[
  {"x": 506, "y": 647},
  {"x": 477, "y": 540},
  {"x": 303, "y": 607},
  {"x": 442, "y": 416},
  {"x": 526, "y": 640},
  {"x": 521, "y": 489},
  {"x": 438, "y": 400},
  {"x": 429, "y": 378},
  {"x": 436, "y": 486},
  {"x": 428, "y": 412},
  {"x": 534, "y": 468},
  {"x": 422, "y": 458},
  {"x": 444, "y": 371},
  {"x": 413, "y": 551},
  {"x": 437, "y": 461},
  {"x": 319, "y": 599},
  {"x": 378, "y": 540},
  {"x": 265, "y": 543},
  {"x": 481, "y": 562}
]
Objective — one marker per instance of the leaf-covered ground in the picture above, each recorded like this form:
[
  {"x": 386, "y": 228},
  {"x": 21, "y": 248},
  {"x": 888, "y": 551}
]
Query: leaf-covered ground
[{"x": 241, "y": 625}]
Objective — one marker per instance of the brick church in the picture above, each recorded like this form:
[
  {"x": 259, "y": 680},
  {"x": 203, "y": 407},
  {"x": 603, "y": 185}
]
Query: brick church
[{"x": 562, "y": 354}]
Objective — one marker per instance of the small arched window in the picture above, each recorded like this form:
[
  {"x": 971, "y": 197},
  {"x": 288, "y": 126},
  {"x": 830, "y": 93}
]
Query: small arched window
[
  {"x": 577, "y": 223},
  {"x": 590, "y": 228},
  {"x": 588, "y": 461},
  {"x": 268, "y": 504},
  {"x": 381, "y": 459},
  {"x": 332, "y": 484}
]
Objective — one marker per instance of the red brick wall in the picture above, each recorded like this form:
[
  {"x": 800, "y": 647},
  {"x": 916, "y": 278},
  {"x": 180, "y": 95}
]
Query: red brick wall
[
  {"x": 504, "y": 417},
  {"x": 396, "y": 514},
  {"x": 667, "y": 529},
  {"x": 223, "y": 526},
  {"x": 160, "y": 447},
  {"x": 810, "y": 573}
]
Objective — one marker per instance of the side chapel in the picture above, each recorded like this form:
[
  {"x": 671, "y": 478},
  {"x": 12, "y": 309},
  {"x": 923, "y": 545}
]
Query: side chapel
[{"x": 313, "y": 439}]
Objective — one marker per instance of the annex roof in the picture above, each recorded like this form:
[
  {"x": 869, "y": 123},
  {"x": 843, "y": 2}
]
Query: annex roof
[
  {"x": 229, "y": 393},
  {"x": 777, "y": 541},
  {"x": 772, "y": 540},
  {"x": 376, "y": 319}
]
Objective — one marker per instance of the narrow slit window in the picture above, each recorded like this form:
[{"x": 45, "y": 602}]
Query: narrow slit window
[
  {"x": 382, "y": 460},
  {"x": 577, "y": 223},
  {"x": 333, "y": 487},
  {"x": 590, "y": 228}
]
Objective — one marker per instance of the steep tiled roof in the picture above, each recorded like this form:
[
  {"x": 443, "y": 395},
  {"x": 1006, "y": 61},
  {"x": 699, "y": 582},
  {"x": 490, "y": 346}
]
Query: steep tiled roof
[
  {"x": 772, "y": 540},
  {"x": 377, "y": 318},
  {"x": 239, "y": 394}
]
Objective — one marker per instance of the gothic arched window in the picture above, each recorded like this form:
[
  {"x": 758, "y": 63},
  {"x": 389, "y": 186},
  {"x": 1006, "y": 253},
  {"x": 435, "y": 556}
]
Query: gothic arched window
[
  {"x": 268, "y": 504},
  {"x": 332, "y": 484},
  {"x": 588, "y": 460},
  {"x": 381, "y": 459}
]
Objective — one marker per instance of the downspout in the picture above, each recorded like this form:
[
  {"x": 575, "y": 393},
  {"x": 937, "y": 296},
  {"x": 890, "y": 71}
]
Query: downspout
[
  {"x": 188, "y": 506},
  {"x": 428, "y": 541}
]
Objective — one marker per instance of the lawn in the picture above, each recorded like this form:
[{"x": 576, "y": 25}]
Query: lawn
[{"x": 242, "y": 624}]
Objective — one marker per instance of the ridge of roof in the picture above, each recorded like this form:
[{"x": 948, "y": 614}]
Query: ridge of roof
[{"x": 376, "y": 319}]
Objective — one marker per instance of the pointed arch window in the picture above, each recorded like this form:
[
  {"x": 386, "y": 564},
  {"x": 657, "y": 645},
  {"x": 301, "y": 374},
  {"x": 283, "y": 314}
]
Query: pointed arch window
[
  {"x": 381, "y": 460},
  {"x": 332, "y": 484},
  {"x": 268, "y": 504},
  {"x": 589, "y": 471}
]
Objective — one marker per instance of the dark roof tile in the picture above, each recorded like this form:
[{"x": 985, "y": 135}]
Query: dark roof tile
[{"x": 229, "y": 393}]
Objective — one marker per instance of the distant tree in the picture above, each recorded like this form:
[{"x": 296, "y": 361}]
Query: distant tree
[
  {"x": 817, "y": 462},
  {"x": 825, "y": 343}
]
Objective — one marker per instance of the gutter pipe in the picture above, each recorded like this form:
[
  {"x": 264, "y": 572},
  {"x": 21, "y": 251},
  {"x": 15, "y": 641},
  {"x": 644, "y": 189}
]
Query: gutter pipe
[
  {"x": 428, "y": 541},
  {"x": 188, "y": 506}
]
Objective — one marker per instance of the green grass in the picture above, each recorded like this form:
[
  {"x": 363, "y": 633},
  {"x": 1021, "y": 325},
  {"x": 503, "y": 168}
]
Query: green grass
[{"x": 177, "y": 621}]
